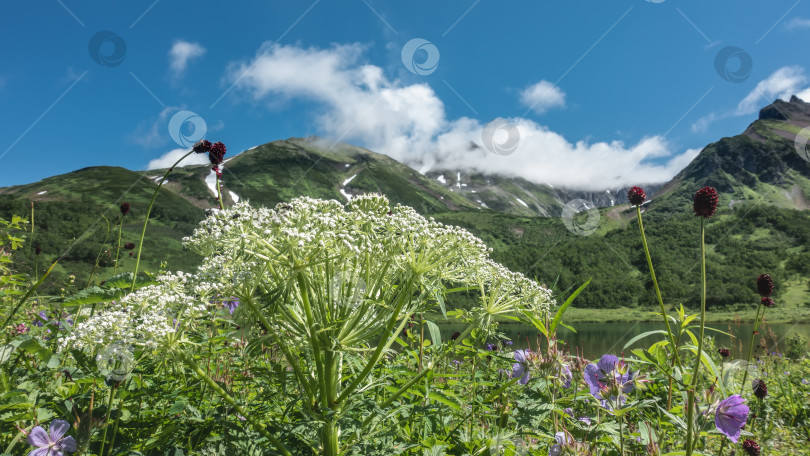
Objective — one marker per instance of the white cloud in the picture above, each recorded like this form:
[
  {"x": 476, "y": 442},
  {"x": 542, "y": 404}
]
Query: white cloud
[
  {"x": 542, "y": 96},
  {"x": 798, "y": 23},
  {"x": 153, "y": 132},
  {"x": 166, "y": 160},
  {"x": 181, "y": 53},
  {"x": 408, "y": 122},
  {"x": 782, "y": 83}
]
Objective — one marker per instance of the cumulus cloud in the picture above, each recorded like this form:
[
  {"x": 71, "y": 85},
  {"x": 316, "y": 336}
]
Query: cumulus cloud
[
  {"x": 542, "y": 96},
  {"x": 181, "y": 53},
  {"x": 798, "y": 23},
  {"x": 782, "y": 83},
  {"x": 166, "y": 160},
  {"x": 359, "y": 103}
]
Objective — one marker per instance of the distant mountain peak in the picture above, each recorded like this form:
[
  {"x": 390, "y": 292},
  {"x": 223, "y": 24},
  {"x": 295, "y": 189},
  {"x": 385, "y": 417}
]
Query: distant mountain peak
[{"x": 795, "y": 111}]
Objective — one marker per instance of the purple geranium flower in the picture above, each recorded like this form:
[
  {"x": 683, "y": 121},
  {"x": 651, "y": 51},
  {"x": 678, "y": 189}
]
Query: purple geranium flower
[
  {"x": 43, "y": 315},
  {"x": 54, "y": 443},
  {"x": 519, "y": 369},
  {"x": 232, "y": 304},
  {"x": 609, "y": 380},
  {"x": 565, "y": 376},
  {"x": 731, "y": 416}
]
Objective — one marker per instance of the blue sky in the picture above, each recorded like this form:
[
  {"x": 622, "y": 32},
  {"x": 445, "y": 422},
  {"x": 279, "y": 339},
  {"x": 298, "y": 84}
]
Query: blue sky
[{"x": 584, "y": 94}]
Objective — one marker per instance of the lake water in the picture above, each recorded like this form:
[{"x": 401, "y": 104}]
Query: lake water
[{"x": 594, "y": 339}]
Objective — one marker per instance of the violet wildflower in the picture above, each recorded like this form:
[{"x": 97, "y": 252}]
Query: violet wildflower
[
  {"x": 566, "y": 376},
  {"x": 731, "y": 416},
  {"x": 751, "y": 447},
  {"x": 706, "y": 200},
  {"x": 609, "y": 380},
  {"x": 636, "y": 196},
  {"x": 53, "y": 443},
  {"x": 760, "y": 388},
  {"x": 508, "y": 343},
  {"x": 492, "y": 347},
  {"x": 232, "y": 304},
  {"x": 44, "y": 316},
  {"x": 21, "y": 328},
  {"x": 764, "y": 285},
  {"x": 520, "y": 369}
]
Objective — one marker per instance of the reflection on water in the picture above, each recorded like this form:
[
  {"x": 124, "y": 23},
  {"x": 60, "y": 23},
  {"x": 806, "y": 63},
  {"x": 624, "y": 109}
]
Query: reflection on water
[{"x": 594, "y": 339}]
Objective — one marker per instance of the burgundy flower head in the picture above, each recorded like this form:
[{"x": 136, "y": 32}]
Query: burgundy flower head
[
  {"x": 764, "y": 285},
  {"x": 760, "y": 388},
  {"x": 124, "y": 208},
  {"x": 724, "y": 352},
  {"x": 129, "y": 245},
  {"x": 706, "y": 200},
  {"x": 217, "y": 153},
  {"x": 202, "y": 146},
  {"x": 751, "y": 447},
  {"x": 38, "y": 250},
  {"x": 636, "y": 196},
  {"x": 768, "y": 302},
  {"x": 217, "y": 171}
]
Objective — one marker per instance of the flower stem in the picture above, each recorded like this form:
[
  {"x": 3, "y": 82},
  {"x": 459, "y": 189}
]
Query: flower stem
[
  {"x": 107, "y": 419},
  {"x": 219, "y": 196},
  {"x": 146, "y": 219},
  {"x": 230, "y": 400},
  {"x": 690, "y": 401},
  {"x": 658, "y": 294},
  {"x": 118, "y": 244},
  {"x": 760, "y": 309}
]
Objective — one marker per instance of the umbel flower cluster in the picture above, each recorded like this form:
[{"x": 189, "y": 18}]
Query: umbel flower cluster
[{"x": 315, "y": 265}]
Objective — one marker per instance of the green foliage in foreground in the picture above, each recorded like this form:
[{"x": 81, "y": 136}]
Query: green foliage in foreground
[{"x": 294, "y": 370}]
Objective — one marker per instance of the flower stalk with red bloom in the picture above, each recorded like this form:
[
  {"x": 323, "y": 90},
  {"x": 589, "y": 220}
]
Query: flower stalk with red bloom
[
  {"x": 215, "y": 155},
  {"x": 765, "y": 288},
  {"x": 636, "y": 196},
  {"x": 705, "y": 205},
  {"x": 199, "y": 148}
]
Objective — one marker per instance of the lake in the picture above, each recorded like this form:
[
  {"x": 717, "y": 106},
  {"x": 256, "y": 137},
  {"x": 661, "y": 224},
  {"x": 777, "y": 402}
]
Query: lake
[{"x": 595, "y": 339}]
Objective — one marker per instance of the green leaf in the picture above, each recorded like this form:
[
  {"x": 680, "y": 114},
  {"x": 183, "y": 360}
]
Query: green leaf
[
  {"x": 179, "y": 406},
  {"x": 558, "y": 316},
  {"x": 94, "y": 295},
  {"x": 643, "y": 335},
  {"x": 435, "y": 333}
]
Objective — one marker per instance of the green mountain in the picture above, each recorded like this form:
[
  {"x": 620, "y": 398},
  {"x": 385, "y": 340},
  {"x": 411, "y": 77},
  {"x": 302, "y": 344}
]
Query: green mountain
[{"x": 762, "y": 225}]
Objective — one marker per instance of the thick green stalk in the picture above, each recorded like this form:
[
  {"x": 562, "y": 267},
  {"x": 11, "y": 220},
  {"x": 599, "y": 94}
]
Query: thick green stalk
[
  {"x": 751, "y": 345},
  {"x": 658, "y": 293},
  {"x": 690, "y": 402},
  {"x": 118, "y": 244},
  {"x": 107, "y": 419},
  {"x": 230, "y": 400},
  {"x": 313, "y": 341},
  {"x": 146, "y": 219},
  {"x": 219, "y": 196}
]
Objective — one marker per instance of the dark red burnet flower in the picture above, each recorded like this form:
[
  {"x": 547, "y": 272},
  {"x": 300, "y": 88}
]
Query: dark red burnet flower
[
  {"x": 217, "y": 153},
  {"x": 751, "y": 447},
  {"x": 764, "y": 285},
  {"x": 768, "y": 302},
  {"x": 202, "y": 146},
  {"x": 124, "y": 208},
  {"x": 636, "y": 196},
  {"x": 760, "y": 388},
  {"x": 38, "y": 250},
  {"x": 129, "y": 245},
  {"x": 724, "y": 352},
  {"x": 217, "y": 171},
  {"x": 706, "y": 200}
]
